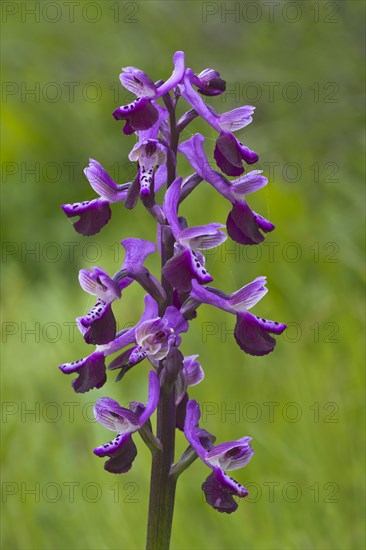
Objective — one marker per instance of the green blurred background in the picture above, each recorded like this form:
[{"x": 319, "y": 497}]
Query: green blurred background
[{"x": 300, "y": 65}]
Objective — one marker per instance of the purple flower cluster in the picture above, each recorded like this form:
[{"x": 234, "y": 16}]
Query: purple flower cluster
[{"x": 172, "y": 301}]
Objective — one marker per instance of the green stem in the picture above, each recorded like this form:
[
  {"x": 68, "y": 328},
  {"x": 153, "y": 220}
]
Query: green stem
[{"x": 162, "y": 485}]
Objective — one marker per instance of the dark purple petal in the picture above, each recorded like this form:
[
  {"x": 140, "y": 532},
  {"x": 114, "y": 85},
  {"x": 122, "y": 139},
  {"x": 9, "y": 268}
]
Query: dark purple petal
[
  {"x": 242, "y": 225},
  {"x": 209, "y": 83},
  {"x": 122, "y": 452},
  {"x": 91, "y": 371},
  {"x": 99, "y": 325},
  {"x": 182, "y": 268},
  {"x": 127, "y": 129},
  {"x": 93, "y": 215},
  {"x": 247, "y": 154},
  {"x": 219, "y": 489},
  {"x": 253, "y": 334},
  {"x": 270, "y": 326},
  {"x": 228, "y": 156},
  {"x": 140, "y": 114}
]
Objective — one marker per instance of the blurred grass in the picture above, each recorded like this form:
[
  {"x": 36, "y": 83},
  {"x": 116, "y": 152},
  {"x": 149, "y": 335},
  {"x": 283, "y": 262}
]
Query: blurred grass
[{"x": 315, "y": 296}]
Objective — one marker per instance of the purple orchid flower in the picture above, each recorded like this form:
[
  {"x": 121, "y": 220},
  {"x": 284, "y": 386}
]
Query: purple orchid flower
[
  {"x": 91, "y": 370},
  {"x": 229, "y": 151},
  {"x": 122, "y": 450},
  {"x": 142, "y": 113},
  {"x": 152, "y": 338},
  {"x": 219, "y": 488},
  {"x": 174, "y": 298},
  {"x": 209, "y": 82},
  {"x": 187, "y": 262},
  {"x": 94, "y": 214},
  {"x": 98, "y": 326},
  {"x": 243, "y": 224},
  {"x": 252, "y": 333}
]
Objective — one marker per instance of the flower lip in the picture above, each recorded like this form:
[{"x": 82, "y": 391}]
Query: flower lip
[
  {"x": 93, "y": 215},
  {"x": 139, "y": 114},
  {"x": 218, "y": 487},
  {"x": 98, "y": 326},
  {"x": 91, "y": 372},
  {"x": 150, "y": 154}
]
